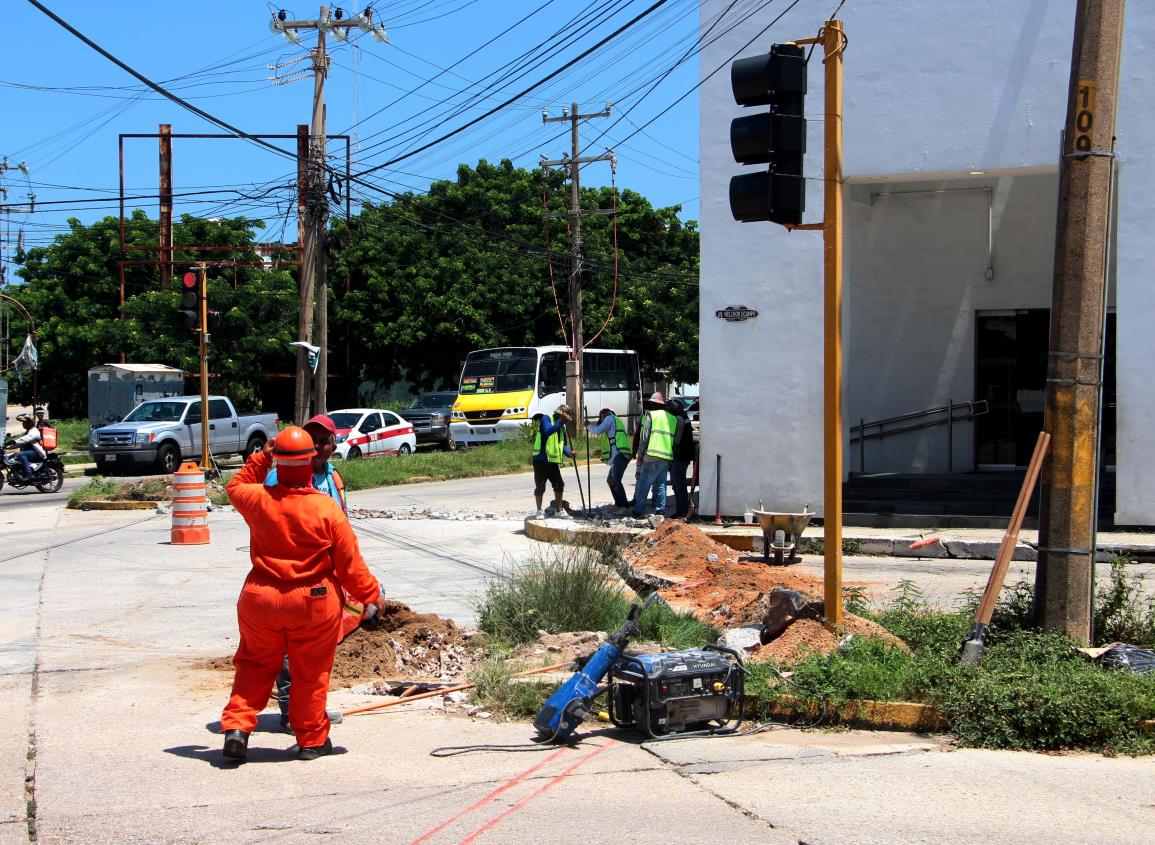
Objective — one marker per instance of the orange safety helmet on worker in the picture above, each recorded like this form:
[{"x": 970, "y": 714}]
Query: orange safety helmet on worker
[{"x": 305, "y": 561}]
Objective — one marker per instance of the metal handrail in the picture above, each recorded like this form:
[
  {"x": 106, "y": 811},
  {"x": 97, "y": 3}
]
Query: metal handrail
[{"x": 971, "y": 409}]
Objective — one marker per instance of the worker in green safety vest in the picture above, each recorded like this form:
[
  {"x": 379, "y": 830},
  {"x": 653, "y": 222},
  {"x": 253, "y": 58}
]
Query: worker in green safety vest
[
  {"x": 550, "y": 449},
  {"x": 655, "y": 451},
  {"x": 611, "y": 425}
]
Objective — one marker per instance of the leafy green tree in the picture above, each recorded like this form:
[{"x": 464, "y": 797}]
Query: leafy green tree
[
  {"x": 72, "y": 290},
  {"x": 468, "y": 265}
]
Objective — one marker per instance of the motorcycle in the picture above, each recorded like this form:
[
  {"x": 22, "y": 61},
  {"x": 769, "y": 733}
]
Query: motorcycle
[{"x": 47, "y": 475}]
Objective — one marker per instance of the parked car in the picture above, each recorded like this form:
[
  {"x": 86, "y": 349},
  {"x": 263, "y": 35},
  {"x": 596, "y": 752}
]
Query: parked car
[
  {"x": 163, "y": 431},
  {"x": 430, "y": 414},
  {"x": 369, "y": 432}
]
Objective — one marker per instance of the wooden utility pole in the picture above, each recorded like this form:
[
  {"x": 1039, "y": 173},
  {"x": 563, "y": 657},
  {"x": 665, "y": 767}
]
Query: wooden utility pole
[
  {"x": 314, "y": 205},
  {"x": 1064, "y": 577},
  {"x": 573, "y": 369},
  {"x": 164, "y": 216}
]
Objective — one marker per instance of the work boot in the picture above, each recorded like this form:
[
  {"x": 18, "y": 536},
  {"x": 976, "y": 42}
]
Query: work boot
[
  {"x": 312, "y": 752},
  {"x": 236, "y": 745}
]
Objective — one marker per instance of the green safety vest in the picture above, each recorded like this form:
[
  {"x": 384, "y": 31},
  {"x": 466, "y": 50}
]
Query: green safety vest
[
  {"x": 621, "y": 439},
  {"x": 554, "y": 445},
  {"x": 663, "y": 424}
]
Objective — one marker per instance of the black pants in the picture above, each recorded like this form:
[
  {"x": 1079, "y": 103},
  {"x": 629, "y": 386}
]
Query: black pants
[{"x": 544, "y": 471}]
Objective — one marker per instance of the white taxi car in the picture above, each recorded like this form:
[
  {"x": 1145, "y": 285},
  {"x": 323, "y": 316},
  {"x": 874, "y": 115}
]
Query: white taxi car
[{"x": 369, "y": 432}]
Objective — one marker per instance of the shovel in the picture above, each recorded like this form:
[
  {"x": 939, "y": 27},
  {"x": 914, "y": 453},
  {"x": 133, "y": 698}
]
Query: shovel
[{"x": 972, "y": 648}]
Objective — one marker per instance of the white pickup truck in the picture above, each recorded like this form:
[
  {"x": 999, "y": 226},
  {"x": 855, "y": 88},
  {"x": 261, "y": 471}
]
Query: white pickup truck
[{"x": 163, "y": 431}]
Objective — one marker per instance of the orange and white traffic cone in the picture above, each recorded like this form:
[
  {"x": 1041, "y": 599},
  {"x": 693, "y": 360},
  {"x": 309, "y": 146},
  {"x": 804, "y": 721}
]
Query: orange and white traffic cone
[{"x": 189, "y": 506}]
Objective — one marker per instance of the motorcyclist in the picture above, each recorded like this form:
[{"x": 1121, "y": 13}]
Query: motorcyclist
[{"x": 29, "y": 445}]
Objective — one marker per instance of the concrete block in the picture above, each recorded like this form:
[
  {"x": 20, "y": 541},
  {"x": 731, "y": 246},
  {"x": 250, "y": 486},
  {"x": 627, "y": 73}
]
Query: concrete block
[
  {"x": 875, "y": 545},
  {"x": 934, "y": 550}
]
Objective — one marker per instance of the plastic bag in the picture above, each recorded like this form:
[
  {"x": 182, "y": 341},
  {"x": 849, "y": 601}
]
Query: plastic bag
[{"x": 1123, "y": 656}]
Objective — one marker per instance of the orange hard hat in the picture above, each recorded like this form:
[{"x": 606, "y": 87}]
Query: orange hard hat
[{"x": 293, "y": 447}]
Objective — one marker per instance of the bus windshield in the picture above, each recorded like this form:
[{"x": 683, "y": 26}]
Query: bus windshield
[{"x": 499, "y": 371}]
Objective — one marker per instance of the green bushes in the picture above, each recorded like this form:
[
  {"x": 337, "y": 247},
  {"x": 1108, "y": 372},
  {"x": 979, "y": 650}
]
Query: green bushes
[
  {"x": 1032, "y": 691},
  {"x": 573, "y": 588}
]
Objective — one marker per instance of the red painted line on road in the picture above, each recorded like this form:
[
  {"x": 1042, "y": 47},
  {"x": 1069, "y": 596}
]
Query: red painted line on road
[
  {"x": 552, "y": 782},
  {"x": 509, "y": 784}
]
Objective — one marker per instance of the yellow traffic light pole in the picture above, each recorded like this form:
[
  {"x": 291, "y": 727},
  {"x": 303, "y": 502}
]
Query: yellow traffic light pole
[
  {"x": 833, "y": 41},
  {"x": 202, "y": 328}
]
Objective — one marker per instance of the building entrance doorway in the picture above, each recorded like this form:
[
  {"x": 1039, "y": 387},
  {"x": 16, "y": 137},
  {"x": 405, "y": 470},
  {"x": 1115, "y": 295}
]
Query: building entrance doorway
[{"x": 1011, "y": 375}]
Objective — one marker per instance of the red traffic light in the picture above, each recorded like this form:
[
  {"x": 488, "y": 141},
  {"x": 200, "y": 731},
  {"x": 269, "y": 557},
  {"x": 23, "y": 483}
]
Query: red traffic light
[{"x": 189, "y": 280}]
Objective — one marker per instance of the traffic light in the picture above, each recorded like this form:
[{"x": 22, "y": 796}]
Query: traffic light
[
  {"x": 776, "y": 138},
  {"x": 190, "y": 299}
]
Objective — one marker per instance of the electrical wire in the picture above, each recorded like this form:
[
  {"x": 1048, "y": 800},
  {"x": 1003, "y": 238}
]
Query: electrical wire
[{"x": 516, "y": 97}]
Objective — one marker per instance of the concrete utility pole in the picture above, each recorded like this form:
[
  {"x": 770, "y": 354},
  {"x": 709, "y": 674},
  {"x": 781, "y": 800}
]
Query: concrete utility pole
[
  {"x": 164, "y": 216},
  {"x": 1064, "y": 578},
  {"x": 573, "y": 369}
]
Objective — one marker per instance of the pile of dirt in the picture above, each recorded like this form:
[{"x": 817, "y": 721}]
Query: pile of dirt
[
  {"x": 406, "y": 645},
  {"x": 708, "y": 579},
  {"x": 414, "y": 646}
]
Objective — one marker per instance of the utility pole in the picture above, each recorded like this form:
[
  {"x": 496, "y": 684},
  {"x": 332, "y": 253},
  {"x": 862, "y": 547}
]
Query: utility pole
[
  {"x": 1064, "y": 577},
  {"x": 573, "y": 369},
  {"x": 164, "y": 217},
  {"x": 314, "y": 267}
]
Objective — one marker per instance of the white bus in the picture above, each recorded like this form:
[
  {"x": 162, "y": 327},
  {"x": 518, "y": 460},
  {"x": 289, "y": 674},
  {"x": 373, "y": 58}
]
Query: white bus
[{"x": 502, "y": 389}]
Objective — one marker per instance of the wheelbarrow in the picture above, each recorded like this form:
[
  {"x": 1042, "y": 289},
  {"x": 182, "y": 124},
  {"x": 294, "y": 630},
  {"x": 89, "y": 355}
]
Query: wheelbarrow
[{"x": 781, "y": 533}]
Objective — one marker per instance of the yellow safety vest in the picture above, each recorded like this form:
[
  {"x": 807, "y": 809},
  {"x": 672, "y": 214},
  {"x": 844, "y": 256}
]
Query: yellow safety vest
[
  {"x": 554, "y": 445},
  {"x": 661, "y": 443}
]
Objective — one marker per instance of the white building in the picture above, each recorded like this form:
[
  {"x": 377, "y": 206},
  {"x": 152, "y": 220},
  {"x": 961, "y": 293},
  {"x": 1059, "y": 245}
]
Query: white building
[{"x": 952, "y": 119}]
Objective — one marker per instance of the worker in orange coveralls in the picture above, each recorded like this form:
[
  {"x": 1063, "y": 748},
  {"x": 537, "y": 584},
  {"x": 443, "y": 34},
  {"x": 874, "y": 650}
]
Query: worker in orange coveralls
[{"x": 304, "y": 556}]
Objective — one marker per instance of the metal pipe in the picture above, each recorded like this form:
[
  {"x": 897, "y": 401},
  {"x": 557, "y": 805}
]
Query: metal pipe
[
  {"x": 950, "y": 437},
  {"x": 862, "y": 445},
  {"x": 717, "y": 491}
]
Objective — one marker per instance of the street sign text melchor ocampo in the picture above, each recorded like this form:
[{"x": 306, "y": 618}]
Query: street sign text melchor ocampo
[{"x": 735, "y": 313}]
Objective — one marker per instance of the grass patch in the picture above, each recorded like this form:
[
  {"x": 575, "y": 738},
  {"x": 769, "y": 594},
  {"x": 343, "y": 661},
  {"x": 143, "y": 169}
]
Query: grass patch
[
  {"x": 574, "y": 588},
  {"x": 495, "y": 690},
  {"x": 104, "y": 489},
  {"x": 508, "y": 456},
  {"x": 1032, "y": 691}
]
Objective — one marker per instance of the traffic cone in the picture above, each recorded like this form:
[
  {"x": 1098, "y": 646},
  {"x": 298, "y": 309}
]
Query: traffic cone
[{"x": 189, "y": 506}]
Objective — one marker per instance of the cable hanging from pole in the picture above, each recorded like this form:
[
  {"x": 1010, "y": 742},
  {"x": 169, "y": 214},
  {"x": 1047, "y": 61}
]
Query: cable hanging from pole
[
  {"x": 614, "y": 295},
  {"x": 549, "y": 254}
]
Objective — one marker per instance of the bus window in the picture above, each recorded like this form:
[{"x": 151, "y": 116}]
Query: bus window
[
  {"x": 551, "y": 376},
  {"x": 498, "y": 371}
]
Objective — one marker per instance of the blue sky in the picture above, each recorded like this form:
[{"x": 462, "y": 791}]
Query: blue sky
[{"x": 64, "y": 104}]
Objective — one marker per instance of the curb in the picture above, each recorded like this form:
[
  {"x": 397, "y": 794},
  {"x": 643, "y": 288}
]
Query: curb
[
  {"x": 875, "y": 715},
  {"x": 105, "y": 505},
  {"x": 746, "y": 540},
  {"x": 565, "y": 531}
]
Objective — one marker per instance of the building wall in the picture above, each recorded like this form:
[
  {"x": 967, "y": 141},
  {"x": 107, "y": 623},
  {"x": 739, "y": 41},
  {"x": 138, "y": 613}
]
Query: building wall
[{"x": 932, "y": 91}]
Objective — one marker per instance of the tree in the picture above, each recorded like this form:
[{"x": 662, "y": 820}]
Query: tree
[
  {"x": 72, "y": 290},
  {"x": 468, "y": 265}
]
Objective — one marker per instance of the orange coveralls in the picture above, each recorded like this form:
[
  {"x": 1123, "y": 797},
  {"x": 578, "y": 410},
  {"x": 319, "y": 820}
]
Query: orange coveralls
[{"x": 304, "y": 555}]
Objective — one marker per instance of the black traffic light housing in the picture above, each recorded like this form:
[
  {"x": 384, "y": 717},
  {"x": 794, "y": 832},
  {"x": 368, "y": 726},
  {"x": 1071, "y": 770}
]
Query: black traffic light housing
[
  {"x": 192, "y": 290},
  {"x": 776, "y": 138}
]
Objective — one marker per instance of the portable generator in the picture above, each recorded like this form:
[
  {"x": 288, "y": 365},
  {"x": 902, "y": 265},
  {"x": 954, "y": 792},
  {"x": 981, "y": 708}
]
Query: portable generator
[{"x": 697, "y": 692}]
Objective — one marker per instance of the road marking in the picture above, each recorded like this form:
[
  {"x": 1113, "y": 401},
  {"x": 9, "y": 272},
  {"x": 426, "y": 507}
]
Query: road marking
[
  {"x": 552, "y": 782},
  {"x": 509, "y": 784}
]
